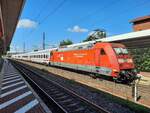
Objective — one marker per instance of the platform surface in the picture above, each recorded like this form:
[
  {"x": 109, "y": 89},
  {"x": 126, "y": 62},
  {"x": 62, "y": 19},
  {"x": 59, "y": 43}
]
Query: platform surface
[
  {"x": 145, "y": 78},
  {"x": 16, "y": 95}
]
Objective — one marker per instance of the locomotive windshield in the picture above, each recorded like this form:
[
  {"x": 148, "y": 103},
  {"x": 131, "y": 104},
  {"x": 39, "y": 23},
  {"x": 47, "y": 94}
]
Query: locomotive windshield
[{"x": 121, "y": 51}]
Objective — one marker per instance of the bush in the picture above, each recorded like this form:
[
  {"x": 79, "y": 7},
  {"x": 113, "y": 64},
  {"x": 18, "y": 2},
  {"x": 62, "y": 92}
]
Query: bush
[{"x": 141, "y": 58}]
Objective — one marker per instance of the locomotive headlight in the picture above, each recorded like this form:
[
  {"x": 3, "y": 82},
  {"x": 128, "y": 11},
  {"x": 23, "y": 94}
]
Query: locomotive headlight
[
  {"x": 130, "y": 61},
  {"x": 121, "y": 60},
  {"x": 115, "y": 70}
]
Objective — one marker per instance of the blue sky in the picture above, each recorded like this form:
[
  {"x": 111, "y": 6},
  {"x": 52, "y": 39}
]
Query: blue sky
[{"x": 74, "y": 19}]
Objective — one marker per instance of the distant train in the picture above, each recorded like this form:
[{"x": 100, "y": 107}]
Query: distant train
[{"x": 110, "y": 59}]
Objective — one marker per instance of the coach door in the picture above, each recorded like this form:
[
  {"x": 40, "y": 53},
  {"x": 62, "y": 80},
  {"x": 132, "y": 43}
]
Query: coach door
[
  {"x": 103, "y": 57},
  {"x": 104, "y": 63}
]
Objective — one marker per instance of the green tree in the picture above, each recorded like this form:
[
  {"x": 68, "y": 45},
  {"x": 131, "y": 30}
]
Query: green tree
[
  {"x": 65, "y": 42},
  {"x": 141, "y": 58},
  {"x": 96, "y": 34}
]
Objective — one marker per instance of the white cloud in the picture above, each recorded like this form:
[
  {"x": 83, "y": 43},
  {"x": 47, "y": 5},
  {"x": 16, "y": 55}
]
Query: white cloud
[
  {"x": 26, "y": 23},
  {"x": 77, "y": 29}
]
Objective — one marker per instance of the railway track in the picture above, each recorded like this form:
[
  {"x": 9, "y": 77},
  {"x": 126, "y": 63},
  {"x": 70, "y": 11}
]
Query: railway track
[{"x": 58, "y": 98}]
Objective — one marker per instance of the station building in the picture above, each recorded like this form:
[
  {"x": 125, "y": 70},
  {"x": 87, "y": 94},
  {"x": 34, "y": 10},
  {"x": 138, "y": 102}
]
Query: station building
[{"x": 141, "y": 23}]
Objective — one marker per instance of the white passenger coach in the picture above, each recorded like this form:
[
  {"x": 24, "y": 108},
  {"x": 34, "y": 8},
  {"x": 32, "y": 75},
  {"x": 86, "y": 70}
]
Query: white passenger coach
[{"x": 41, "y": 56}]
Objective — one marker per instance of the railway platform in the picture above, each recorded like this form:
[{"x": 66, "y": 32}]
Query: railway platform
[
  {"x": 145, "y": 78},
  {"x": 16, "y": 94}
]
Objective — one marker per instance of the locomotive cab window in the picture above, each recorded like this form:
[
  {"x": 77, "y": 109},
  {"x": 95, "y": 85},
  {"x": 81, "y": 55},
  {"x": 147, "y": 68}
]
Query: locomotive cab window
[
  {"x": 102, "y": 52},
  {"x": 120, "y": 51}
]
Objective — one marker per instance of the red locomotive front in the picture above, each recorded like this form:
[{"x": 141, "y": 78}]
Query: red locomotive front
[{"x": 127, "y": 71}]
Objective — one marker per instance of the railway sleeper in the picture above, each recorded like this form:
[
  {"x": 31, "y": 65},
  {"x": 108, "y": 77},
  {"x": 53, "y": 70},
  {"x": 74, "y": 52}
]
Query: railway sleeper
[
  {"x": 76, "y": 108},
  {"x": 80, "y": 109},
  {"x": 54, "y": 91},
  {"x": 61, "y": 97},
  {"x": 65, "y": 101},
  {"x": 73, "y": 104},
  {"x": 59, "y": 94}
]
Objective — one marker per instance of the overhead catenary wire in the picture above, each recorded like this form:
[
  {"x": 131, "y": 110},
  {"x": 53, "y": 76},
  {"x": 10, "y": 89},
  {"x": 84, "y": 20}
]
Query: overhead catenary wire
[
  {"x": 38, "y": 15},
  {"x": 89, "y": 14},
  {"x": 53, "y": 11},
  {"x": 41, "y": 10},
  {"x": 44, "y": 19},
  {"x": 83, "y": 19},
  {"x": 122, "y": 13},
  {"x": 50, "y": 14}
]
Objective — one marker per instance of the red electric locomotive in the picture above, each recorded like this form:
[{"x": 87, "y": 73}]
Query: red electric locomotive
[{"x": 110, "y": 59}]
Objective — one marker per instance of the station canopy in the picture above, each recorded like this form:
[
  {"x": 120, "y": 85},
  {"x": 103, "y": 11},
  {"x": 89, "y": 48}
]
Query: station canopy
[
  {"x": 10, "y": 11},
  {"x": 138, "y": 39},
  {"x": 132, "y": 40}
]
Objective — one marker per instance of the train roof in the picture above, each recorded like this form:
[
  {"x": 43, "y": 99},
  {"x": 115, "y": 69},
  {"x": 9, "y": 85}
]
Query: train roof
[
  {"x": 45, "y": 50},
  {"x": 40, "y": 51}
]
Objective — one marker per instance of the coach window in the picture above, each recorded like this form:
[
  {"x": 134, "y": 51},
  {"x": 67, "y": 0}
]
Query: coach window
[
  {"x": 103, "y": 52},
  {"x": 80, "y": 47}
]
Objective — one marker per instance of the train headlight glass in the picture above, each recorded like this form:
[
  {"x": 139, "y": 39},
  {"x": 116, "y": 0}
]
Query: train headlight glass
[
  {"x": 121, "y": 60},
  {"x": 130, "y": 61}
]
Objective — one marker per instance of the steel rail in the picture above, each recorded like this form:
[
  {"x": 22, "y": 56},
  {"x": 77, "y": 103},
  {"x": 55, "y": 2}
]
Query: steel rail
[{"x": 91, "y": 106}]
